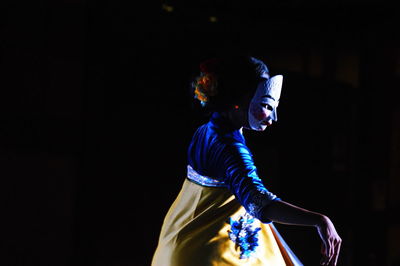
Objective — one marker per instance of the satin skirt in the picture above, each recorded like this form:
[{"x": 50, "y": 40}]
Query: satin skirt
[{"x": 208, "y": 226}]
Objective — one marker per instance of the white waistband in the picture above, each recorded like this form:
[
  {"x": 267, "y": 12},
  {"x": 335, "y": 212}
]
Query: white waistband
[{"x": 206, "y": 181}]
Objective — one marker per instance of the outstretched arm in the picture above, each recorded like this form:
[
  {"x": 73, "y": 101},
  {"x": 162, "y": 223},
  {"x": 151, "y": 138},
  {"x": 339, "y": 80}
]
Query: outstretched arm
[
  {"x": 282, "y": 212},
  {"x": 242, "y": 179}
]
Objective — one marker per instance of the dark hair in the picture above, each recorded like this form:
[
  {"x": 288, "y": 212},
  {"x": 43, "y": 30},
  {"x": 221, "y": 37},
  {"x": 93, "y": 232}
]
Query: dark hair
[{"x": 232, "y": 77}]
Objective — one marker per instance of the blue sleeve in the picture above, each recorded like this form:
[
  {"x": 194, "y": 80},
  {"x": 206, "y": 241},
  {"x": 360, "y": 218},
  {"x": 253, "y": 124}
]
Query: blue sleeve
[{"x": 242, "y": 179}]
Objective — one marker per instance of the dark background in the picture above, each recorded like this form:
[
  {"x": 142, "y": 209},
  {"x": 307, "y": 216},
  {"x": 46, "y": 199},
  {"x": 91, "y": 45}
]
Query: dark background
[{"x": 96, "y": 117}]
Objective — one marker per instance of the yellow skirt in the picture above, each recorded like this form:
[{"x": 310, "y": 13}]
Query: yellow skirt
[{"x": 208, "y": 226}]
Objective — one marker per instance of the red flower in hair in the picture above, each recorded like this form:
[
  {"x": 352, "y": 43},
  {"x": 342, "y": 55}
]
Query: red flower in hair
[{"x": 206, "y": 84}]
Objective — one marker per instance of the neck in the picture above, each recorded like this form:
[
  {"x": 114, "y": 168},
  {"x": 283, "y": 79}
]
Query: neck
[{"x": 235, "y": 117}]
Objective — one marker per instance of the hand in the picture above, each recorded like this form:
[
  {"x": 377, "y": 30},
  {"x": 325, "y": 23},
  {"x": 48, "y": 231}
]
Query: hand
[{"x": 330, "y": 242}]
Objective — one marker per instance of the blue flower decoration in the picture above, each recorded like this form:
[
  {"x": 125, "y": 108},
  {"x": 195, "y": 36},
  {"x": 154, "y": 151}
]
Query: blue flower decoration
[{"x": 244, "y": 234}]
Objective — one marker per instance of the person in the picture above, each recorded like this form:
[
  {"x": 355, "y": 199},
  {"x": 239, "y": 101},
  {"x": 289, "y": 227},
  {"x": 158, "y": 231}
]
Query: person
[{"x": 224, "y": 214}]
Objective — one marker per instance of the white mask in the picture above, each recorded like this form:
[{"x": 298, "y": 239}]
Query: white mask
[{"x": 262, "y": 109}]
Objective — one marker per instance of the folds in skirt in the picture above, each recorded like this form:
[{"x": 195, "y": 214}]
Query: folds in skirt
[{"x": 208, "y": 226}]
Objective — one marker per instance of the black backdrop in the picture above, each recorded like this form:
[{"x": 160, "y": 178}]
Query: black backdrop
[{"x": 96, "y": 117}]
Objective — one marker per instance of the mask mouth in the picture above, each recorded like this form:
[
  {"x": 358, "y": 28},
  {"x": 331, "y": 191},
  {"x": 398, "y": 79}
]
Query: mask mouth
[{"x": 266, "y": 122}]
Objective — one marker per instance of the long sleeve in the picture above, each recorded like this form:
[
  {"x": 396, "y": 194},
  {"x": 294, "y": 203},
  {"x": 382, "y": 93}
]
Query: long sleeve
[{"x": 242, "y": 179}]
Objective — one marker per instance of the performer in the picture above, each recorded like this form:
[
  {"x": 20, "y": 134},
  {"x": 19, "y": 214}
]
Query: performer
[{"x": 223, "y": 214}]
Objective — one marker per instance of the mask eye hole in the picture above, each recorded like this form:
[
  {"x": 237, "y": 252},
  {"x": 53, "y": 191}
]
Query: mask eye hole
[{"x": 269, "y": 107}]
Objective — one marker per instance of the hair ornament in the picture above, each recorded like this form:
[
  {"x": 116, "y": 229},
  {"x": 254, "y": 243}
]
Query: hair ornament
[{"x": 206, "y": 84}]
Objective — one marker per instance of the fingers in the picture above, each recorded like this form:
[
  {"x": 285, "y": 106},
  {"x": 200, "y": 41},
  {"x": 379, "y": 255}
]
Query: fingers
[
  {"x": 324, "y": 252},
  {"x": 331, "y": 243},
  {"x": 330, "y": 258},
  {"x": 330, "y": 251},
  {"x": 336, "y": 253}
]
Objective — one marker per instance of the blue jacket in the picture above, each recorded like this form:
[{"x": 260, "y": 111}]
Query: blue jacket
[{"x": 218, "y": 152}]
